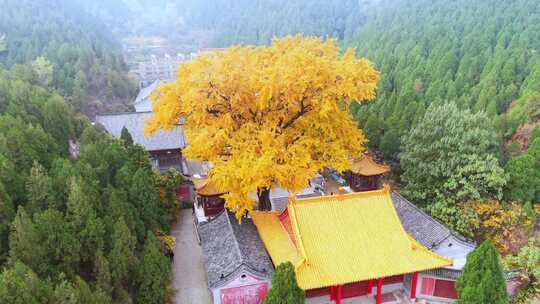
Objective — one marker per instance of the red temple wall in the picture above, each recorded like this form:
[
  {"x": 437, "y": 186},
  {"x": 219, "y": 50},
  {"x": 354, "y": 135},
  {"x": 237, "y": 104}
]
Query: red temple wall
[{"x": 354, "y": 289}]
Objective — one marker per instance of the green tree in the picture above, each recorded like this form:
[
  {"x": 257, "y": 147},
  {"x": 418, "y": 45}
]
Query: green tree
[
  {"x": 482, "y": 280},
  {"x": 7, "y": 213},
  {"x": 102, "y": 273},
  {"x": 43, "y": 69},
  {"x": 153, "y": 274},
  {"x": 24, "y": 243},
  {"x": 20, "y": 285},
  {"x": 57, "y": 120},
  {"x": 122, "y": 255},
  {"x": 285, "y": 288},
  {"x": 82, "y": 215},
  {"x": 523, "y": 179},
  {"x": 59, "y": 242},
  {"x": 125, "y": 136},
  {"x": 449, "y": 158},
  {"x": 39, "y": 189},
  {"x": 143, "y": 194}
]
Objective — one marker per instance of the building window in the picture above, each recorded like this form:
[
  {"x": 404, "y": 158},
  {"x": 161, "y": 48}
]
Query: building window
[{"x": 155, "y": 163}]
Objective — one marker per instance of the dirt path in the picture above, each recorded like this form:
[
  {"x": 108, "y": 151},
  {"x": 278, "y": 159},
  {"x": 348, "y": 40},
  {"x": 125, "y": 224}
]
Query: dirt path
[{"x": 189, "y": 276}]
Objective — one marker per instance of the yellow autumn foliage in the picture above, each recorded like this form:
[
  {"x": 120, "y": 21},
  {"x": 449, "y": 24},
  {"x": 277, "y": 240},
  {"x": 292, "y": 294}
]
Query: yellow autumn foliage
[
  {"x": 269, "y": 115},
  {"x": 507, "y": 225}
]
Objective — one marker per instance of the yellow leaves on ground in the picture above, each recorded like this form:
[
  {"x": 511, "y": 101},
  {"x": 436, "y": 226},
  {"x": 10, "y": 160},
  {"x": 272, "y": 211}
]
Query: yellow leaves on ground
[{"x": 269, "y": 115}]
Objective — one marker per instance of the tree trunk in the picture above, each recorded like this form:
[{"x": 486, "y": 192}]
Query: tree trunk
[{"x": 264, "y": 199}]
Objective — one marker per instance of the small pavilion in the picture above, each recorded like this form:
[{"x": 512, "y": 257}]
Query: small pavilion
[
  {"x": 346, "y": 245},
  {"x": 209, "y": 199},
  {"x": 365, "y": 174}
]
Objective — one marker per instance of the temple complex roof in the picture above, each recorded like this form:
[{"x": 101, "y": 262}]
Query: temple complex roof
[
  {"x": 230, "y": 248},
  {"x": 134, "y": 123},
  {"x": 366, "y": 166},
  {"x": 431, "y": 233},
  {"x": 345, "y": 238},
  {"x": 204, "y": 187}
]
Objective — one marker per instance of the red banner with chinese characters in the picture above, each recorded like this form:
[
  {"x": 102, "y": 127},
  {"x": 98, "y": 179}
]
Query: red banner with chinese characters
[{"x": 247, "y": 294}]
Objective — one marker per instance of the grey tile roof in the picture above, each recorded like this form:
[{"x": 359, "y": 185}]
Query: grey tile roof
[
  {"x": 424, "y": 228},
  {"x": 230, "y": 247},
  {"x": 144, "y": 93},
  {"x": 134, "y": 122},
  {"x": 196, "y": 167},
  {"x": 444, "y": 273},
  {"x": 453, "y": 274},
  {"x": 281, "y": 202}
]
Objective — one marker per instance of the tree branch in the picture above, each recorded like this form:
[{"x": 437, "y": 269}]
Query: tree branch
[{"x": 303, "y": 110}]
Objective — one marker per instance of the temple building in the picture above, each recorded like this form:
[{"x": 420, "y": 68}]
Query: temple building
[
  {"x": 365, "y": 174},
  {"x": 208, "y": 200},
  {"x": 142, "y": 102},
  {"x": 237, "y": 266},
  {"x": 279, "y": 197},
  {"x": 347, "y": 245},
  {"x": 165, "y": 146}
]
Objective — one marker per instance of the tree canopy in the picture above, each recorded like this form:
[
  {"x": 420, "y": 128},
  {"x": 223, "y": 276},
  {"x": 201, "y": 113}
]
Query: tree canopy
[
  {"x": 72, "y": 230},
  {"x": 66, "y": 50},
  {"x": 267, "y": 116},
  {"x": 482, "y": 280},
  {"x": 285, "y": 288},
  {"x": 449, "y": 158}
]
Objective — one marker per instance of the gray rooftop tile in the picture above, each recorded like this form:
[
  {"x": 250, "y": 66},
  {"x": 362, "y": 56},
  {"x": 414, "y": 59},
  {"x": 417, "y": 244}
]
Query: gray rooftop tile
[{"x": 134, "y": 122}]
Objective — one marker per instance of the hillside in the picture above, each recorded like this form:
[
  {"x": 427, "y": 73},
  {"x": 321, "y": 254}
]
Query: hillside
[
  {"x": 257, "y": 22},
  {"x": 481, "y": 54},
  {"x": 68, "y": 49}
]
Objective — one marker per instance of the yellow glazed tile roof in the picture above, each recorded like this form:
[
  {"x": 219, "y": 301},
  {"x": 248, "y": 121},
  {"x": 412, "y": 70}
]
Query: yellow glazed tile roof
[
  {"x": 367, "y": 166},
  {"x": 343, "y": 239},
  {"x": 204, "y": 187}
]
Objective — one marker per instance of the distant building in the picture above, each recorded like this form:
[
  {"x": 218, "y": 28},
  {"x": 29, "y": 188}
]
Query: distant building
[
  {"x": 159, "y": 68},
  {"x": 165, "y": 146},
  {"x": 238, "y": 268},
  {"x": 205, "y": 51},
  {"x": 142, "y": 102}
]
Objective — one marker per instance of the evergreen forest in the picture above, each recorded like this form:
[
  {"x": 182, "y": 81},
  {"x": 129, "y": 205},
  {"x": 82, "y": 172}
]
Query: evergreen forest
[{"x": 457, "y": 116}]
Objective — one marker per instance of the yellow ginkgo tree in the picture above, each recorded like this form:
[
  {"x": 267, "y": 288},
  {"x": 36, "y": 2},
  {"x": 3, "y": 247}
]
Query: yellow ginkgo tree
[{"x": 269, "y": 115}]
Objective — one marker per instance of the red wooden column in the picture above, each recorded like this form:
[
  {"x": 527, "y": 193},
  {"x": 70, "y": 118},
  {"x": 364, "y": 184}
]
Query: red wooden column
[
  {"x": 332, "y": 298},
  {"x": 414, "y": 283},
  {"x": 379, "y": 291},
  {"x": 338, "y": 294},
  {"x": 370, "y": 286}
]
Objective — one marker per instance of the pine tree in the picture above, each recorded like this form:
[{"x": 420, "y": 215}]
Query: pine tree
[
  {"x": 20, "y": 285},
  {"x": 154, "y": 273},
  {"x": 482, "y": 280},
  {"x": 38, "y": 189},
  {"x": 102, "y": 273},
  {"x": 126, "y": 137},
  {"x": 143, "y": 194},
  {"x": 61, "y": 247},
  {"x": 7, "y": 213},
  {"x": 24, "y": 243},
  {"x": 285, "y": 288},
  {"x": 121, "y": 257},
  {"x": 57, "y": 120},
  {"x": 523, "y": 178},
  {"x": 83, "y": 217}
]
